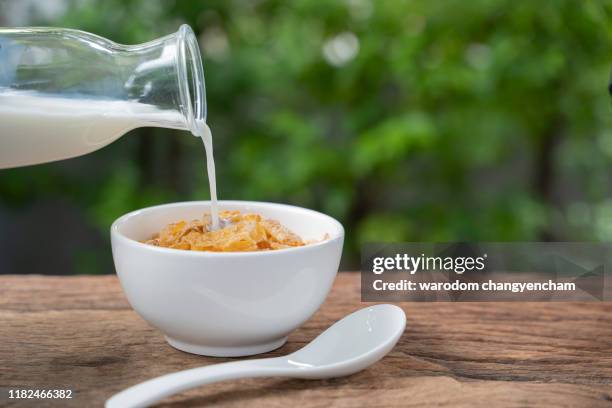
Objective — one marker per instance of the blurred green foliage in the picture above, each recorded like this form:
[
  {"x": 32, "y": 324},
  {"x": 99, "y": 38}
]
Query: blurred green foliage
[{"x": 406, "y": 120}]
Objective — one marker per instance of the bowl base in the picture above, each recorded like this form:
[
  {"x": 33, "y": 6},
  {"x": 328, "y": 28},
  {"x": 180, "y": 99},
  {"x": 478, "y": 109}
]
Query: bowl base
[{"x": 226, "y": 351}]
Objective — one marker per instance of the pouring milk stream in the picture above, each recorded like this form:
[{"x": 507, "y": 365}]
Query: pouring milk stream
[{"x": 65, "y": 93}]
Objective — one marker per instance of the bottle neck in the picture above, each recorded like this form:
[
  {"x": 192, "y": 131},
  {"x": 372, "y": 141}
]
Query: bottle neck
[{"x": 168, "y": 75}]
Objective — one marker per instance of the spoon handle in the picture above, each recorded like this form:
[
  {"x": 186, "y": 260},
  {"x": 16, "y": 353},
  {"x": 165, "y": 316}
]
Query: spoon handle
[{"x": 148, "y": 392}]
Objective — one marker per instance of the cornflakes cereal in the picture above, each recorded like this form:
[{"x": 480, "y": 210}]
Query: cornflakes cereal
[{"x": 239, "y": 232}]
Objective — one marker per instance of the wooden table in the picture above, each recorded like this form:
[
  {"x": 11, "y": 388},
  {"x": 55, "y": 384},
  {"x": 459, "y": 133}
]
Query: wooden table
[{"x": 80, "y": 333}]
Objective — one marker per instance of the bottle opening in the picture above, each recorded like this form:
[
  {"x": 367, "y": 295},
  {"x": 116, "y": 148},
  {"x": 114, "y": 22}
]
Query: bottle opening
[{"x": 191, "y": 79}]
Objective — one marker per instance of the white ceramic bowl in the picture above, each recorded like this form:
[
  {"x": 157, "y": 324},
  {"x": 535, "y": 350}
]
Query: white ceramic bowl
[{"x": 226, "y": 304}]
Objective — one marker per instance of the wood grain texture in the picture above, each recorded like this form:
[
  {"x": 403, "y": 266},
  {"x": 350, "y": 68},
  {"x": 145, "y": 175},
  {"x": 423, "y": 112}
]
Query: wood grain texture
[{"x": 80, "y": 333}]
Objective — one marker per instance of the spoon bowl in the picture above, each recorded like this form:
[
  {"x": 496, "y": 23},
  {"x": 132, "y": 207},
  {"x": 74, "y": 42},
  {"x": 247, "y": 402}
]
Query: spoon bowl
[
  {"x": 351, "y": 344},
  {"x": 348, "y": 346}
]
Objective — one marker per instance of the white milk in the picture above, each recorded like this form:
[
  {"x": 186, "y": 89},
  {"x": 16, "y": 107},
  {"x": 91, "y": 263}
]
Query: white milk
[
  {"x": 206, "y": 135},
  {"x": 38, "y": 129}
]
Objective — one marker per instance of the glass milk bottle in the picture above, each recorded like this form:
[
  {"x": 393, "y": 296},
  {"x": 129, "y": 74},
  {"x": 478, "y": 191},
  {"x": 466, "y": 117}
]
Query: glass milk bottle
[{"x": 65, "y": 93}]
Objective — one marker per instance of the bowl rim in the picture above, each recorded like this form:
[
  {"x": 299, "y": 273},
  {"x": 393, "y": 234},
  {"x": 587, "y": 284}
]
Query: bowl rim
[{"x": 116, "y": 234}]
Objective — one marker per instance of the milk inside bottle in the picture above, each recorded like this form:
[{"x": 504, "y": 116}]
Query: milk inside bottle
[{"x": 35, "y": 128}]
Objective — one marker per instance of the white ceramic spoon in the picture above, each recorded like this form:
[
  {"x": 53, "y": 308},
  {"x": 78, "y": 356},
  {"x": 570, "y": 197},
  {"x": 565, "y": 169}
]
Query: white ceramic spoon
[{"x": 350, "y": 345}]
